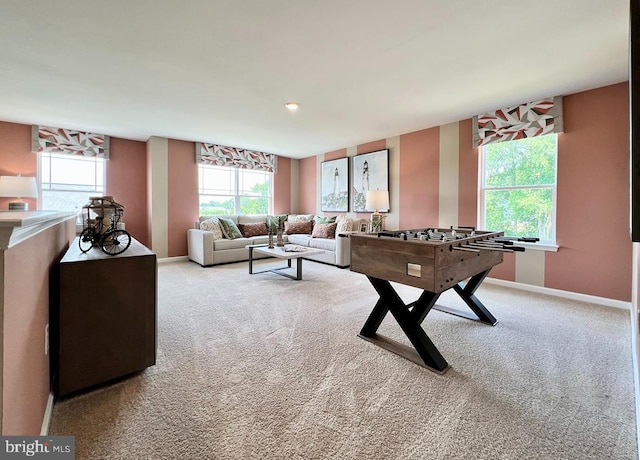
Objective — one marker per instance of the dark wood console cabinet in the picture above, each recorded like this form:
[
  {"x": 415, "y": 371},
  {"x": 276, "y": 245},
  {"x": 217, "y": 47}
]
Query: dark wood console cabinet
[{"x": 105, "y": 326}]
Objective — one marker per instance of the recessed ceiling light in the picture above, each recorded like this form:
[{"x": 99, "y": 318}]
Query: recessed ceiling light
[{"x": 292, "y": 106}]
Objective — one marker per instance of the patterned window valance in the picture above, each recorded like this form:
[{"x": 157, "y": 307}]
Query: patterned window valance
[
  {"x": 219, "y": 155},
  {"x": 525, "y": 120},
  {"x": 72, "y": 142}
]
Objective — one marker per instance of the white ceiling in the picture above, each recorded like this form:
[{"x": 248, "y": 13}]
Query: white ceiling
[{"x": 220, "y": 70}]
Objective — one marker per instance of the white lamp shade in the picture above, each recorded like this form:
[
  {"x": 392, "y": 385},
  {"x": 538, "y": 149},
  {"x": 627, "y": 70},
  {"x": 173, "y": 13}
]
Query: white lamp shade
[
  {"x": 377, "y": 200},
  {"x": 18, "y": 187}
]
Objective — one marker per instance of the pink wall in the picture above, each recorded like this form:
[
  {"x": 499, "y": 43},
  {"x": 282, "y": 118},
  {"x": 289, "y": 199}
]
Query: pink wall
[
  {"x": 182, "y": 195},
  {"x": 371, "y": 146},
  {"x": 127, "y": 183},
  {"x": 593, "y": 196},
  {"x": 593, "y": 192},
  {"x": 592, "y": 188},
  {"x": 28, "y": 269},
  {"x": 419, "y": 166},
  {"x": 16, "y": 157},
  {"x": 342, "y": 153},
  {"x": 308, "y": 187},
  {"x": 506, "y": 270},
  {"x": 282, "y": 187}
]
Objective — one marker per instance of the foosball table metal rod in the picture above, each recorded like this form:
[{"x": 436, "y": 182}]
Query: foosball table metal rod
[{"x": 462, "y": 248}]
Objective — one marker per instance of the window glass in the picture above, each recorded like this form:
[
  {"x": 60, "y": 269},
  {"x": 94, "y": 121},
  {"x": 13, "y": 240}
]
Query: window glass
[
  {"x": 67, "y": 181},
  {"x": 253, "y": 183},
  {"x": 233, "y": 191},
  {"x": 211, "y": 205},
  {"x": 215, "y": 180},
  {"x": 518, "y": 187}
]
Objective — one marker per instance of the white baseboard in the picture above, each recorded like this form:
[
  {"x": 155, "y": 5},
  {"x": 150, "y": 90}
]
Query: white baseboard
[
  {"x": 165, "y": 260},
  {"x": 46, "y": 420},
  {"x": 560, "y": 293}
]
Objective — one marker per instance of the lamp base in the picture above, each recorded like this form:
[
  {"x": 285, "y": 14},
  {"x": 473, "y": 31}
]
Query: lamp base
[
  {"x": 18, "y": 206},
  {"x": 376, "y": 222}
]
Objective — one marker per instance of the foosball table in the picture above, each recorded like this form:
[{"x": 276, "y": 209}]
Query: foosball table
[{"x": 434, "y": 260}]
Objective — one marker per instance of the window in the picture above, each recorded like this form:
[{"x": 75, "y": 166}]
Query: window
[
  {"x": 518, "y": 187},
  {"x": 225, "y": 190},
  {"x": 67, "y": 181}
]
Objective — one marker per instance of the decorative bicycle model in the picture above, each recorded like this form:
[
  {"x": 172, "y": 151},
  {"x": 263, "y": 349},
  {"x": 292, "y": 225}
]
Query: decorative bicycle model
[{"x": 100, "y": 218}]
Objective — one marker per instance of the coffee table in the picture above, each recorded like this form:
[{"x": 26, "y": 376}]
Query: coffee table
[{"x": 280, "y": 253}]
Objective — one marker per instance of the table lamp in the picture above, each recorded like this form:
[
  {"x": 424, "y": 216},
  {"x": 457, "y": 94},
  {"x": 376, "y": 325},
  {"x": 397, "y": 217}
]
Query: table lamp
[
  {"x": 18, "y": 187},
  {"x": 377, "y": 200}
]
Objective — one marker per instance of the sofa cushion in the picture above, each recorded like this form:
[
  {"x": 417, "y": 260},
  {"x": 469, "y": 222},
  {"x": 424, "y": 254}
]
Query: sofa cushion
[
  {"x": 249, "y": 230},
  {"x": 264, "y": 239},
  {"x": 229, "y": 228},
  {"x": 298, "y": 227},
  {"x": 237, "y": 243},
  {"x": 233, "y": 217},
  {"x": 251, "y": 218},
  {"x": 323, "y": 243},
  {"x": 324, "y": 230},
  {"x": 345, "y": 224},
  {"x": 299, "y": 239},
  {"x": 212, "y": 225},
  {"x": 300, "y": 217},
  {"x": 324, "y": 219}
]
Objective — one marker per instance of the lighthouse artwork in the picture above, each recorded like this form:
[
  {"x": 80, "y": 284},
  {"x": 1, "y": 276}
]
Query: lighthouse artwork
[
  {"x": 335, "y": 185},
  {"x": 369, "y": 171}
]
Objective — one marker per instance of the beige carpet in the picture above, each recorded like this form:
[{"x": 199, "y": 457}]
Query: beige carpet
[{"x": 262, "y": 367}]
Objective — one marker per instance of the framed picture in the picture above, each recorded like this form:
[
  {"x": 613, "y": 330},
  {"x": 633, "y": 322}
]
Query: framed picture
[
  {"x": 335, "y": 185},
  {"x": 369, "y": 171},
  {"x": 364, "y": 226}
]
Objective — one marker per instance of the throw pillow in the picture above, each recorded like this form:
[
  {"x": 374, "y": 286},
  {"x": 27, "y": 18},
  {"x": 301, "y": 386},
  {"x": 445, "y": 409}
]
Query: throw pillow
[
  {"x": 324, "y": 219},
  {"x": 274, "y": 221},
  {"x": 212, "y": 225},
  {"x": 249, "y": 230},
  {"x": 229, "y": 228},
  {"x": 345, "y": 224},
  {"x": 324, "y": 231},
  {"x": 298, "y": 227},
  {"x": 300, "y": 217}
]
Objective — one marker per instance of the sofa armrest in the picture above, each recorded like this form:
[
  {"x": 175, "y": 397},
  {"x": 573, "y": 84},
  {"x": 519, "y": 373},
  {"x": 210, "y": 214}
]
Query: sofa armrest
[{"x": 200, "y": 246}]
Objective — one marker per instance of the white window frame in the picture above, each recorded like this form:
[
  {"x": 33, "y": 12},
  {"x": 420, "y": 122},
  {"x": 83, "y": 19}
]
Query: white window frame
[
  {"x": 546, "y": 245},
  {"x": 236, "y": 194}
]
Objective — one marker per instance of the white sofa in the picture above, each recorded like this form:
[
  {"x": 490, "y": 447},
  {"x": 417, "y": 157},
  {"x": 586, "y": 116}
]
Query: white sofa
[{"x": 206, "y": 251}]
